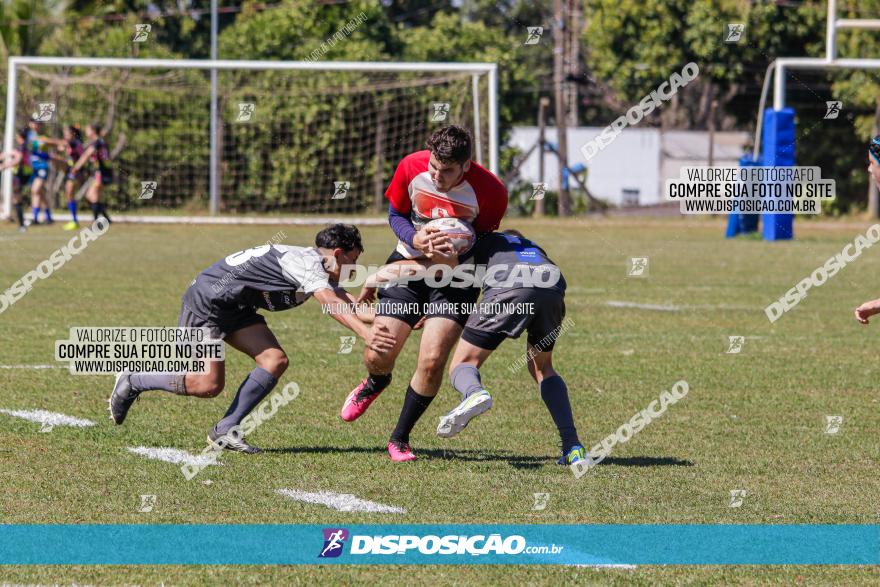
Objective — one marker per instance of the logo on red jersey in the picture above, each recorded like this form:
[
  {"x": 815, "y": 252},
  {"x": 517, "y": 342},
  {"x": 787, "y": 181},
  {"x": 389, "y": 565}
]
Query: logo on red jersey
[{"x": 431, "y": 206}]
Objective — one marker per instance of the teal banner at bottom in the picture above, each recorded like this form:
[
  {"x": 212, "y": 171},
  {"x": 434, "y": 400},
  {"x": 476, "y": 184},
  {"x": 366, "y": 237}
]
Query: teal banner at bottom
[{"x": 619, "y": 544}]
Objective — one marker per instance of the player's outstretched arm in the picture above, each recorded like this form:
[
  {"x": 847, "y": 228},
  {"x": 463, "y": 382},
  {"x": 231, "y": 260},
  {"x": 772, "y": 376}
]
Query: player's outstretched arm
[
  {"x": 9, "y": 159},
  {"x": 378, "y": 338},
  {"x": 404, "y": 270},
  {"x": 82, "y": 159},
  {"x": 51, "y": 141},
  {"x": 867, "y": 310},
  {"x": 363, "y": 311}
]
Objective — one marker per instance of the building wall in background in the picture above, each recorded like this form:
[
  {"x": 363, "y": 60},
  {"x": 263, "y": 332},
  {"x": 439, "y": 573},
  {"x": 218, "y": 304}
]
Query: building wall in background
[{"x": 635, "y": 166}]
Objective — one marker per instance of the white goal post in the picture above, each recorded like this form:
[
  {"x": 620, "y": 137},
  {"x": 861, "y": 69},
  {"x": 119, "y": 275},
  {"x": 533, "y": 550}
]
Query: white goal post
[
  {"x": 830, "y": 61},
  {"x": 481, "y": 94}
]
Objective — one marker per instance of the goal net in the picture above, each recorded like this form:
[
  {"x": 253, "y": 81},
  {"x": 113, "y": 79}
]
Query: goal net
[{"x": 293, "y": 138}]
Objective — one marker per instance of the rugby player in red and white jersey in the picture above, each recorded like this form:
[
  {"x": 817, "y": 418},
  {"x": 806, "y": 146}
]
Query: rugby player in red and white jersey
[{"x": 438, "y": 182}]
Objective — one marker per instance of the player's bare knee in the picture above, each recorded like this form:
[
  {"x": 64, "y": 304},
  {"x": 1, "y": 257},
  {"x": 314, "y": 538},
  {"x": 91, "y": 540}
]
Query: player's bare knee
[
  {"x": 431, "y": 366},
  {"x": 274, "y": 361}
]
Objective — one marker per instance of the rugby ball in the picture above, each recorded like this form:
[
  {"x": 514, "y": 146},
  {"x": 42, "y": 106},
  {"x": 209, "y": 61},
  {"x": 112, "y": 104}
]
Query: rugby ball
[{"x": 461, "y": 234}]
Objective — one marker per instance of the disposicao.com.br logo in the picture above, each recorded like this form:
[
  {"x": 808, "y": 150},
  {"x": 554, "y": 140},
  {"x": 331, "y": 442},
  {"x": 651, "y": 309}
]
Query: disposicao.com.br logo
[{"x": 476, "y": 545}]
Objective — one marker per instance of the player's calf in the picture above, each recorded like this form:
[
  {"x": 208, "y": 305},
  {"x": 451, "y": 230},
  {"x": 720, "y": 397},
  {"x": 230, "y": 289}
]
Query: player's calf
[
  {"x": 204, "y": 385},
  {"x": 554, "y": 393},
  {"x": 465, "y": 377},
  {"x": 379, "y": 365}
]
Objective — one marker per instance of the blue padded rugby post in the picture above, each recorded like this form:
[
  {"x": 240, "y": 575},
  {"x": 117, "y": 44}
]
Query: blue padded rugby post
[
  {"x": 743, "y": 223},
  {"x": 778, "y": 150}
]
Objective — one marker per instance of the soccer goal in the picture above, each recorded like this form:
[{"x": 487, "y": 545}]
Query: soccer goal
[{"x": 293, "y": 139}]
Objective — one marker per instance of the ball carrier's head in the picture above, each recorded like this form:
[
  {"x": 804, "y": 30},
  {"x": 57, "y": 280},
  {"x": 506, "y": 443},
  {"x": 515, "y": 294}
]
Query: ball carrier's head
[
  {"x": 339, "y": 245},
  {"x": 450, "y": 156}
]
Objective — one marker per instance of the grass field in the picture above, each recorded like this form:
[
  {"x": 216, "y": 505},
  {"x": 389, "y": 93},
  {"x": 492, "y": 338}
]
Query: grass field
[{"x": 753, "y": 421}]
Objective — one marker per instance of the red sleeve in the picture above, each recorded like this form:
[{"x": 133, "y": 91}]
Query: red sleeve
[
  {"x": 398, "y": 190},
  {"x": 491, "y": 198}
]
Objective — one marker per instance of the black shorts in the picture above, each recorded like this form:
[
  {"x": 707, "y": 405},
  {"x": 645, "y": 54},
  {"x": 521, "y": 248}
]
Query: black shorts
[
  {"x": 539, "y": 311},
  {"x": 104, "y": 177},
  {"x": 221, "y": 325},
  {"x": 409, "y": 302}
]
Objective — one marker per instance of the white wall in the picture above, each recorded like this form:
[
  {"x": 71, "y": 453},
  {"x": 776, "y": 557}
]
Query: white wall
[{"x": 634, "y": 160}]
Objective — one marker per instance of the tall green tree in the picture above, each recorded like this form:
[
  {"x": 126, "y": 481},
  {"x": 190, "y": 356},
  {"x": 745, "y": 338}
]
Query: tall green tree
[
  {"x": 634, "y": 46},
  {"x": 24, "y": 25}
]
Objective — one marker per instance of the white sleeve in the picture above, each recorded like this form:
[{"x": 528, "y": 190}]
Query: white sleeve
[{"x": 306, "y": 269}]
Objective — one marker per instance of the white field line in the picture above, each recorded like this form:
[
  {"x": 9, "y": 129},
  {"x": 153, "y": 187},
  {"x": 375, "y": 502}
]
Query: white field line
[
  {"x": 173, "y": 455},
  {"x": 343, "y": 502},
  {"x": 673, "y": 308},
  {"x": 32, "y": 367},
  {"x": 42, "y": 585},
  {"x": 658, "y": 307},
  {"x": 605, "y": 566},
  {"x": 48, "y": 418},
  {"x": 227, "y": 220}
]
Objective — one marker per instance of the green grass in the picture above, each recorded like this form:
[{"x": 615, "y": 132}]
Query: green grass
[{"x": 752, "y": 421}]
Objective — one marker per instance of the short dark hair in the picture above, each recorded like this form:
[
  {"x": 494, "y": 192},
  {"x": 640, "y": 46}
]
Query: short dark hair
[
  {"x": 451, "y": 144},
  {"x": 340, "y": 236}
]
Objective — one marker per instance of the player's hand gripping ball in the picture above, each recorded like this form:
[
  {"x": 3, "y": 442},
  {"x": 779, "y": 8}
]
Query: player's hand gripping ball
[{"x": 460, "y": 233}]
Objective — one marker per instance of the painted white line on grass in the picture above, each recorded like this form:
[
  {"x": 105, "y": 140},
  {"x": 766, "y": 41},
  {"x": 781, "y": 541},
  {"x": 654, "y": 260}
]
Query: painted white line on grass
[
  {"x": 658, "y": 307},
  {"x": 173, "y": 455},
  {"x": 605, "y": 566},
  {"x": 672, "y": 308},
  {"x": 48, "y": 418},
  {"x": 343, "y": 502},
  {"x": 32, "y": 367}
]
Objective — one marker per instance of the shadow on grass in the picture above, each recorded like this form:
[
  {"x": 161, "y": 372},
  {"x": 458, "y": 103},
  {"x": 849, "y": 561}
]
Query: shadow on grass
[
  {"x": 514, "y": 460},
  {"x": 646, "y": 462}
]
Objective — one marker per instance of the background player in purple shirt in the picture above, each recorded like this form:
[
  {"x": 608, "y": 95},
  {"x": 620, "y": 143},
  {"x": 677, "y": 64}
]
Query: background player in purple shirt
[{"x": 98, "y": 153}]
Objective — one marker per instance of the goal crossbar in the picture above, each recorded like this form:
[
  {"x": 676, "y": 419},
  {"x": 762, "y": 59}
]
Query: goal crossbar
[{"x": 830, "y": 61}]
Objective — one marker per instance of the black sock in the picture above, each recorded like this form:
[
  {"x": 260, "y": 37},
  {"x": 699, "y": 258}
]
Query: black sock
[
  {"x": 375, "y": 384},
  {"x": 102, "y": 208},
  {"x": 414, "y": 405},
  {"x": 555, "y": 395},
  {"x": 19, "y": 212},
  {"x": 96, "y": 209}
]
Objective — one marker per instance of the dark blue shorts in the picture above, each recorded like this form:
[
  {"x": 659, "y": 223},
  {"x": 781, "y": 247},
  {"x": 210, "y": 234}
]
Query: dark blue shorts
[
  {"x": 220, "y": 325},
  {"x": 537, "y": 311}
]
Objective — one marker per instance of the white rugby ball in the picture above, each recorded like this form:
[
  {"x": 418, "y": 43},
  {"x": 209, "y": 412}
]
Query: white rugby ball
[{"x": 461, "y": 234}]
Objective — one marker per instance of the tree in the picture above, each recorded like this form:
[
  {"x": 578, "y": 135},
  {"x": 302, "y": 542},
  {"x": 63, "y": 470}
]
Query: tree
[
  {"x": 450, "y": 39},
  {"x": 634, "y": 46}
]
